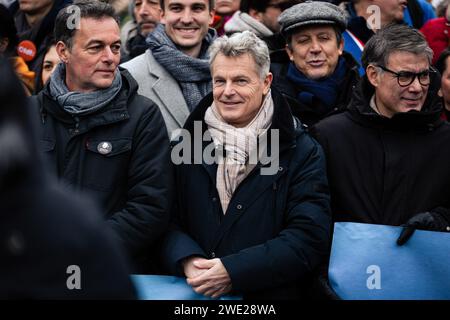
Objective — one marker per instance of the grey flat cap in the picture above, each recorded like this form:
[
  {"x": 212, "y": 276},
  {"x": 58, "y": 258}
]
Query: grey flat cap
[{"x": 310, "y": 13}]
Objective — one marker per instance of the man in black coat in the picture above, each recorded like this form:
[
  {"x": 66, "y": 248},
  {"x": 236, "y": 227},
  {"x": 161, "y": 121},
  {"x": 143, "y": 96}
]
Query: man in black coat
[
  {"x": 388, "y": 155},
  {"x": 99, "y": 136},
  {"x": 247, "y": 223},
  {"x": 53, "y": 245}
]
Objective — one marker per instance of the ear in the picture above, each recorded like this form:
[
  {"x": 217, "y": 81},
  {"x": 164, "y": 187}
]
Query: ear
[
  {"x": 4, "y": 42},
  {"x": 212, "y": 13},
  {"x": 255, "y": 14},
  {"x": 341, "y": 47},
  {"x": 289, "y": 52},
  {"x": 162, "y": 16},
  {"x": 63, "y": 51},
  {"x": 267, "y": 83},
  {"x": 440, "y": 93},
  {"x": 372, "y": 75}
]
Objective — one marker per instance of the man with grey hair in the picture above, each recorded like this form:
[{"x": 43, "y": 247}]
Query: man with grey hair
[
  {"x": 237, "y": 228},
  {"x": 388, "y": 155}
]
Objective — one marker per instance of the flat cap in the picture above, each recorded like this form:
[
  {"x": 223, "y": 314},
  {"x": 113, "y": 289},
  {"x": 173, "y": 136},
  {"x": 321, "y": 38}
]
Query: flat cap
[{"x": 311, "y": 13}]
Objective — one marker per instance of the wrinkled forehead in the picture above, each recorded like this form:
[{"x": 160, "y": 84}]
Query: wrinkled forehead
[
  {"x": 234, "y": 66},
  {"x": 407, "y": 61},
  {"x": 104, "y": 29}
]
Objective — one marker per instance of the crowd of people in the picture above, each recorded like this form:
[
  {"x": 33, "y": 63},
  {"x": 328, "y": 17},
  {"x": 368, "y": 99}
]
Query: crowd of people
[{"x": 215, "y": 140}]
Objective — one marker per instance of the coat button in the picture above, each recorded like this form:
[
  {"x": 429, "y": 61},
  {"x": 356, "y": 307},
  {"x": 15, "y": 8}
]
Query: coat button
[
  {"x": 214, "y": 199},
  {"x": 213, "y": 254},
  {"x": 104, "y": 147},
  {"x": 280, "y": 169},
  {"x": 239, "y": 207}
]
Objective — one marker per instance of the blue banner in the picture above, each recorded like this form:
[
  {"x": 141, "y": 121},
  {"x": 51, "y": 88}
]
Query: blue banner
[
  {"x": 154, "y": 287},
  {"x": 366, "y": 263}
]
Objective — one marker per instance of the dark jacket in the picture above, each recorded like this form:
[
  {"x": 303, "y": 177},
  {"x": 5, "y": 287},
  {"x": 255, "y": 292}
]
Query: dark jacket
[
  {"x": 276, "y": 228},
  {"x": 133, "y": 183},
  {"x": 135, "y": 46},
  {"x": 382, "y": 170},
  {"x": 43, "y": 229},
  {"x": 311, "y": 114}
]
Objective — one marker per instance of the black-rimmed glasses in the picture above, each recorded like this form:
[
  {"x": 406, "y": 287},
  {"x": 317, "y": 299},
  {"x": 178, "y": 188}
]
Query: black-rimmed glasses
[{"x": 405, "y": 78}]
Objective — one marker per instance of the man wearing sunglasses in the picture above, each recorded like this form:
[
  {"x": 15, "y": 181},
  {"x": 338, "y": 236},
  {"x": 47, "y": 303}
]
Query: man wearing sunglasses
[{"x": 388, "y": 156}]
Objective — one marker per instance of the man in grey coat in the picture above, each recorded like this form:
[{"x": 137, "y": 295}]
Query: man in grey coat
[{"x": 174, "y": 71}]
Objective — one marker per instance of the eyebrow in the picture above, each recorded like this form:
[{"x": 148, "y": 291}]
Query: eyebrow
[
  {"x": 195, "y": 4},
  {"x": 234, "y": 77},
  {"x": 327, "y": 33},
  {"x": 95, "y": 41},
  {"x": 407, "y": 71}
]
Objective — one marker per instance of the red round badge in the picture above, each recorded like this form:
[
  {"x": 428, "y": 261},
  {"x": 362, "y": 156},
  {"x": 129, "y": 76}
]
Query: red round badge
[{"x": 27, "y": 50}]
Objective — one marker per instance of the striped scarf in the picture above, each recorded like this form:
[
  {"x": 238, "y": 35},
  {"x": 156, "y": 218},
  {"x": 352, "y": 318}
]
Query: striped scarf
[
  {"x": 191, "y": 73},
  {"x": 240, "y": 145}
]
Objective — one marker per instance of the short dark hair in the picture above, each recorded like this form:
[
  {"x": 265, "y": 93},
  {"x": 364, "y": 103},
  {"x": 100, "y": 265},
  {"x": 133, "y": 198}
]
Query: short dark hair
[
  {"x": 88, "y": 9},
  {"x": 260, "y": 5},
  {"x": 211, "y": 4},
  {"x": 441, "y": 63},
  {"x": 8, "y": 29},
  {"x": 394, "y": 38}
]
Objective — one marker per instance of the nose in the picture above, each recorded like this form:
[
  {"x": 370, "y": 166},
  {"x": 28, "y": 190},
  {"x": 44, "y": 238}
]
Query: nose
[
  {"x": 229, "y": 89},
  {"x": 108, "y": 55},
  {"x": 315, "y": 46},
  {"x": 186, "y": 16},
  {"x": 143, "y": 10},
  {"x": 415, "y": 86}
]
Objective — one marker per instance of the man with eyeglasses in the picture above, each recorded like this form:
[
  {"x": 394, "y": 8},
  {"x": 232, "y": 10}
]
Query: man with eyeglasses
[{"x": 388, "y": 156}]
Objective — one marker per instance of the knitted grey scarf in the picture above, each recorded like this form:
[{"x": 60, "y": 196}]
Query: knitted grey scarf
[
  {"x": 191, "y": 73},
  {"x": 80, "y": 103}
]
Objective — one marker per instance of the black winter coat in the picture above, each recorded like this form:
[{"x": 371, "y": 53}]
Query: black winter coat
[
  {"x": 276, "y": 228},
  {"x": 311, "y": 114},
  {"x": 382, "y": 170},
  {"x": 133, "y": 183}
]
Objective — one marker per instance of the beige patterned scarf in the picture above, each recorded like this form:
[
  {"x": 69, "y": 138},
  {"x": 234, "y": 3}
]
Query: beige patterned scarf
[{"x": 240, "y": 145}]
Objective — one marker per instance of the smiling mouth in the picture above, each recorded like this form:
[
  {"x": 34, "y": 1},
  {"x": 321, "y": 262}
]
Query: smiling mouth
[
  {"x": 230, "y": 103},
  {"x": 187, "y": 30}
]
